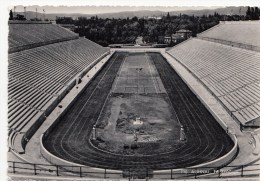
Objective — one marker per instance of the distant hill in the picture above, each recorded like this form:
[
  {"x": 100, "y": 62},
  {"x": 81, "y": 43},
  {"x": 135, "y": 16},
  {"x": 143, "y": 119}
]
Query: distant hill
[{"x": 142, "y": 13}]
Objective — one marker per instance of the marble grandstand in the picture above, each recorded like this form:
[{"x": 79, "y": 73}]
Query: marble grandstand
[
  {"x": 245, "y": 32},
  {"x": 26, "y": 34},
  {"x": 221, "y": 58},
  {"x": 45, "y": 61}
]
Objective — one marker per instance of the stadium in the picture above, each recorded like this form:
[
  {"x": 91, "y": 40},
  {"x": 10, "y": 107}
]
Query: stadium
[{"x": 77, "y": 109}]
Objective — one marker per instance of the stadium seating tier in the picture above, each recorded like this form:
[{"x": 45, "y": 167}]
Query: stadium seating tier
[
  {"x": 231, "y": 73},
  {"x": 37, "y": 75},
  {"x": 29, "y": 33},
  {"x": 240, "y": 32}
]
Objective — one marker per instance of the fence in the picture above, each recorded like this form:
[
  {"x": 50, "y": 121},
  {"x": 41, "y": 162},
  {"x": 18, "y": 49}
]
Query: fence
[{"x": 252, "y": 170}]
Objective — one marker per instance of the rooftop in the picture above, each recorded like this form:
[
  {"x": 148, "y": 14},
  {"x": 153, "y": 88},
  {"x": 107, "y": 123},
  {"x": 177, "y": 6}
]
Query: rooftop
[{"x": 183, "y": 31}]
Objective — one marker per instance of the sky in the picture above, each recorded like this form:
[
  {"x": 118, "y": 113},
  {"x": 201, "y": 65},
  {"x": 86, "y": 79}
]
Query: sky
[
  {"x": 139, "y": 2},
  {"x": 104, "y": 9},
  {"x": 6, "y": 5},
  {"x": 109, "y": 6}
]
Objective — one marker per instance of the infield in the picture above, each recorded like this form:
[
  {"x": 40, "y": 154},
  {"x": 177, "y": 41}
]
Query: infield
[
  {"x": 138, "y": 75},
  {"x": 138, "y": 117}
]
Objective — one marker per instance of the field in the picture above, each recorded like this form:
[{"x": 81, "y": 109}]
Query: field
[
  {"x": 109, "y": 93},
  {"x": 137, "y": 92}
]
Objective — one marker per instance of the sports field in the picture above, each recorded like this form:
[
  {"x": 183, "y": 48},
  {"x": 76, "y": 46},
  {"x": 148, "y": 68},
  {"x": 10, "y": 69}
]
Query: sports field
[
  {"x": 137, "y": 93},
  {"x": 108, "y": 93},
  {"x": 138, "y": 75}
]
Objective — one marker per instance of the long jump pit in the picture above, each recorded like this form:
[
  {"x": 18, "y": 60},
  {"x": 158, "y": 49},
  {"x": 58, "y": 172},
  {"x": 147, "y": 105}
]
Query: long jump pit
[{"x": 137, "y": 117}]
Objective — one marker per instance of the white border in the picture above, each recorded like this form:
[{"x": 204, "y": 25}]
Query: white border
[{"x": 4, "y": 34}]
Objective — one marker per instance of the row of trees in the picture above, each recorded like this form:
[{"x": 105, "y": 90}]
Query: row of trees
[
  {"x": 115, "y": 31},
  {"x": 17, "y": 17},
  {"x": 252, "y": 13}
]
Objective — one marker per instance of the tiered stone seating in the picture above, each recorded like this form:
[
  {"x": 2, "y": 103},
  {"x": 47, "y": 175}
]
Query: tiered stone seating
[
  {"x": 37, "y": 75},
  {"x": 26, "y": 33},
  {"x": 246, "y": 32},
  {"x": 232, "y": 74},
  {"x": 23, "y": 74}
]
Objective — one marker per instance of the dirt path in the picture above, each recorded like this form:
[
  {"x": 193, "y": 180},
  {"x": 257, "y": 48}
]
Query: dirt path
[{"x": 110, "y": 129}]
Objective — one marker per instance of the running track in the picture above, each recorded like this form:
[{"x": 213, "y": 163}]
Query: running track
[{"x": 206, "y": 140}]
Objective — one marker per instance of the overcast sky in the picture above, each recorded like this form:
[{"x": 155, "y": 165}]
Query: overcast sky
[
  {"x": 138, "y": 2},
  {"x": 102, "y": 9},
  {"x": 109, "y": 6}
]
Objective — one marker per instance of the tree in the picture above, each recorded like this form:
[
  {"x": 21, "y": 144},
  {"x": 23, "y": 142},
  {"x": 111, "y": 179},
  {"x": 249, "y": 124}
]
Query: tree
[
  {"x": 125, "y": 30},
  {"x": 134, "y": 18},
  {"x": 20, "y": 17},
  {"x": 64, "y": 20},
  {"x": 168, "y": 16},
  {"x": 252, "y": 10},
  {"x": 11, "y": 16},
  {"x": 248, "y": 12},
  {"x": 256, "y": 13}
]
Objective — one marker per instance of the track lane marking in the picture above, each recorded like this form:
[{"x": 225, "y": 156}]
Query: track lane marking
[
  {"x": 117, "y": 77},
  {"x": 62, "y": 139},
  {"x": 151, "y": 73}
]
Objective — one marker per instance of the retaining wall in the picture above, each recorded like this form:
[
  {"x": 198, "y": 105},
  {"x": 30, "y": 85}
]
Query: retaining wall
[{"x": 74, "y": 167}]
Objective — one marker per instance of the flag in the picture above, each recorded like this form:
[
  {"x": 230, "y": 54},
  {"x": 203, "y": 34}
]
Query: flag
[{"x": 43, "y": 10}]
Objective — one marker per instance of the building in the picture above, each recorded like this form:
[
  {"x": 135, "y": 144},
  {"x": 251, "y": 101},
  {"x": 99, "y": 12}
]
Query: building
[
  {"x": 180, "y": 36},
  {"x": 184, "y": 33},
  {"x": 167, "y": 39},
  {"x": 177, "y": 38},
  {"x": 153, "y": 17},
  {"x": 160, "y": 39}
]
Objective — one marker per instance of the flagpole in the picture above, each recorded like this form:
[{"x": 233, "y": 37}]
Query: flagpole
[
  {"x": 239, "y": 13},
  {"x": 43, "y": 14},
  {"x": 25, "y": 12},
  {"x": 36, "y": 14}
]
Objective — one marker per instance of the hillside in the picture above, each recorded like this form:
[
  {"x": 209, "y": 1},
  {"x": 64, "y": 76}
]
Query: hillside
[{"x": 141, "y": 13}]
